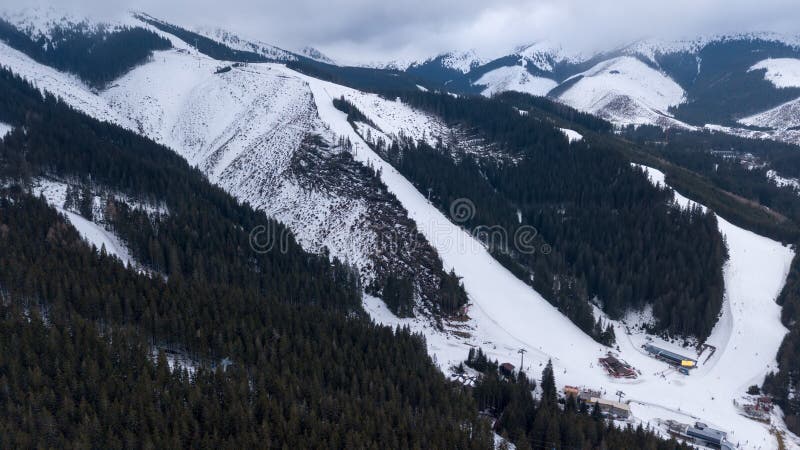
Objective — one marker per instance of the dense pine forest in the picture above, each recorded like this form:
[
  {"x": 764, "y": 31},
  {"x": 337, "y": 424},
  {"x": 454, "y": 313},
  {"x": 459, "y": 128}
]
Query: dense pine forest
[
  {"x": 279, "y": 351},
  {"x": 97, "y": 56},
  {"x": 309, "y": 369},
  {"x": 78, "y": 329},
  {"x": 735, "y": 164},
  {"x": 603, "y": 233},
  {"x": 784, "y": 384}
]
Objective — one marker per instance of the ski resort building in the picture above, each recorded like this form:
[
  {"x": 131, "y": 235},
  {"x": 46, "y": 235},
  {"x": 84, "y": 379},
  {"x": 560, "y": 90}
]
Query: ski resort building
[
  {"x": 702, "y": 434},
  {"x": 612, "y": 408},
  {"x": 617, "y": 368},
  {"x": 669, "y": 357}
]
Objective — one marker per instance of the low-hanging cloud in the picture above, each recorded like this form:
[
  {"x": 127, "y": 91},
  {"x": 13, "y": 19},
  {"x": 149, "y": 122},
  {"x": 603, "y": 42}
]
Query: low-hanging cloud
[{"x": 370, "y": 30}]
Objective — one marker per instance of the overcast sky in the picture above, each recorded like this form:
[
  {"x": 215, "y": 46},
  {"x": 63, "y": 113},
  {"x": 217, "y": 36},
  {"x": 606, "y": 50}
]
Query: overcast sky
[{"x": 382, "y": 30}]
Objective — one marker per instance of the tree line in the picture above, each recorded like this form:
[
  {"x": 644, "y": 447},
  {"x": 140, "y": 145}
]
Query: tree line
[
  {"x": 96, "y": 55},
  {"x": 610, "y": 236}
]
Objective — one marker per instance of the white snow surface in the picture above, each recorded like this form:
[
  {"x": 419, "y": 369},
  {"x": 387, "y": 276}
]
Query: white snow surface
[
  {"x": 316, "y": 55},
  {"x": 462, "y": 61},
  {"x": 780, "y": 181},
  {"x": 781, "y": 118},
  {"x": 543, "y": 54},
  {"x": 40, "y": 20},
  {"x": 93, "y": 233},
  {"x": 514, "y": 78},
  {"x": 650, "y": 48},
  {"x": 626, "y": 91},
  {"x": 68, "y": 87},
  {"x": 253, "y": 113},
  {"x": 5, "y": 129},
  {"x": 572, "y": 135},
  {"x": 237, "y": 42},
  {"x": 506, "y": 314},
  {"x": 782, "y": 72}
]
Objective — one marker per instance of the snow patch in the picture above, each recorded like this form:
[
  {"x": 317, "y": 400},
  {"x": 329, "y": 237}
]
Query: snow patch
[
  {"x": 5, "y": 129},
  {"x": 626, "y": 91},
  {"x": 68, "y": 87},
  {"x": 572, "y": 135},
  {"x": 93, "y": 233},
  {"x": 544, "y": 54},
  {"x": 462, "y": 61},
  {"x": 514, "y": 78},
  {"x": 781, "y": 72},
  {"x": 780, "y": 181}
]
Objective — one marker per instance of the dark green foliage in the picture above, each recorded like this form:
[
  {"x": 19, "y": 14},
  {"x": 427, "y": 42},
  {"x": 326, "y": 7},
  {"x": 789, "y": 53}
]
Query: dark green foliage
[
  {"x": 310, "y": 371},
  {"x": 596, "y": 225},
  {"x": 558, "y": 112},
  {"x": 737, "y": 190},
  {"x": 353, "y": 113},
  {"x": 549, "y": 391},
  {"x": 784, "y": 384},
  {"x": 98, "y": 56},
  {"x": 725, "y": 89},
  {"x": 545, "y": 424},
  {"x": 480, "y": 362},
  {"x": 343, "y": 381},
  {"x": 398, "y": 294}
]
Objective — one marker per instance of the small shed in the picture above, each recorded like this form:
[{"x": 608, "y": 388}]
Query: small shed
[{"x": 507, "y": 369}]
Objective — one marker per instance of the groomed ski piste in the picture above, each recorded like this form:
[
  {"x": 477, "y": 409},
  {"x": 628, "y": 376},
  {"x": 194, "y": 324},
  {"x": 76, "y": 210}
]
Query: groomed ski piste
[{"x": 506, "y": 314}]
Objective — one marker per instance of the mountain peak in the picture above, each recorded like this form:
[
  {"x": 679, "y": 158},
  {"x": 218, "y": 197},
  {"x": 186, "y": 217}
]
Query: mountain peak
[
  {"x": 545, "y": 54},
  {"x": 315, "y": 54},
  {"x": 462, "y": 61}
]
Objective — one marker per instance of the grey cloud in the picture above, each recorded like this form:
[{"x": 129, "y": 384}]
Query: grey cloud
[{"x": 362, "y": 30}]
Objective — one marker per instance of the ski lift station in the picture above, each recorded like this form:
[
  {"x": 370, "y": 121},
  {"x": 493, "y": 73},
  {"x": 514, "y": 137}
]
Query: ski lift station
[{"x": 670, "y": 357}]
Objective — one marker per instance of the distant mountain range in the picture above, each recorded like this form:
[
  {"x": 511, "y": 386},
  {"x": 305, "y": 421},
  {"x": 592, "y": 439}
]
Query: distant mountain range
[
  {"x": 742, "y": 81},
  {"x": 747, "y": 84}
]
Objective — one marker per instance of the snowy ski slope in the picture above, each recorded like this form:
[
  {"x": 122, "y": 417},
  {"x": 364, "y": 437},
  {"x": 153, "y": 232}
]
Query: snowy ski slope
[
  {"x": 178, "y": 100},
  {"x": 507, "y": 315}
]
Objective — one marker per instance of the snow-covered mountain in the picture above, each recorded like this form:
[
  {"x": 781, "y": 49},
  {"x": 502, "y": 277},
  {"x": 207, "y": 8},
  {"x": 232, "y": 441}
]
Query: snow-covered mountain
[
  {"x": 624, "y": 90},
  {"x": 236, "y": 42},
  {"x": 651, "y": 81},
  {"x": 271, "y": 136},
  {"x": 316, "y": 55}
]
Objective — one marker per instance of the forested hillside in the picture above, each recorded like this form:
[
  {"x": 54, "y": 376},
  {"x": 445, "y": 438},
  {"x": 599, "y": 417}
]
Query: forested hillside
[
  {"x": 98, "y": 55},
  {"x": 357, "y": 77},
  {"x": 278, "y": 350},
  {"x": 728, "y": 173},
  {"x": 309, "y": 369},
  {"x": 785, "y": 383},
  {"x": 610, "y": 237}
]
